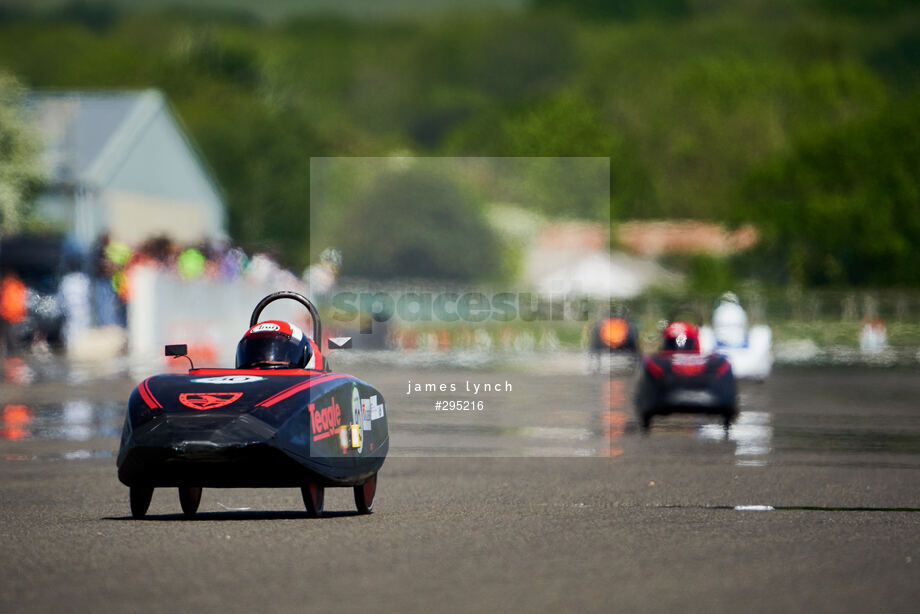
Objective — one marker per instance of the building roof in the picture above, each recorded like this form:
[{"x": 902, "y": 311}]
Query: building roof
[
  {"x": 88, "y": 134},
  {"x": 574, "y": 258},
  {"x": 657, "y": 237},
  {"x": 119, "y": 162}
]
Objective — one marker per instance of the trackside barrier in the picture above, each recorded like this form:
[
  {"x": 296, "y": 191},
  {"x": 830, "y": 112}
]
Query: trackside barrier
[{"x": 207, "y": 314}]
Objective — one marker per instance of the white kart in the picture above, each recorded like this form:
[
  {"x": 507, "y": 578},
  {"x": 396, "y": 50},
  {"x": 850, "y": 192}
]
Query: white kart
[{"x": 751, "y": 357}]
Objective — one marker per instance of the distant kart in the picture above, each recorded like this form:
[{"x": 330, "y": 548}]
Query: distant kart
[
  {"x": 45, "y": 318},
  {"x": 752, "y": 359},
  {"x": 230, "y": 428},
  {"x": 614, "y": 341},
  {"x": 614, "y": 334},
  {"x": 678, "y": 379}
]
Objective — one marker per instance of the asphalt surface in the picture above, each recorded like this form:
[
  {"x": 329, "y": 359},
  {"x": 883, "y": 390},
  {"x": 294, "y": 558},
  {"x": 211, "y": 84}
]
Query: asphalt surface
[{"x": 469, "y": 517}]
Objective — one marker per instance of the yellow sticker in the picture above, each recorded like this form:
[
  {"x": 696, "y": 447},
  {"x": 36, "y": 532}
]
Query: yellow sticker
[{"x": 355, "y": 435}]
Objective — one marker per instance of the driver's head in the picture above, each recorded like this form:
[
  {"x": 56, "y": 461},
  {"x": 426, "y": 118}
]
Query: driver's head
[
  {"x": 273, "y": 344},
  {"x": 681, "y": 337},
  {"x": 729, "y": 297}
]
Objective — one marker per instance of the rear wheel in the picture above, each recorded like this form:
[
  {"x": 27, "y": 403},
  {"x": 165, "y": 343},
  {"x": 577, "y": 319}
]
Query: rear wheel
[
  {"x": 313, "y": 497},
  {"x": 189, "y": 498},
  {"x": 645, "y": 401},
  {"x": 364, "y": 495},
  {"x": 140, "y": 500}
]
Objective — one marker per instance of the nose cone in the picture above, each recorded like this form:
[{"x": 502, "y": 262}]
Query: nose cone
[{"x": 203, "y": 432}]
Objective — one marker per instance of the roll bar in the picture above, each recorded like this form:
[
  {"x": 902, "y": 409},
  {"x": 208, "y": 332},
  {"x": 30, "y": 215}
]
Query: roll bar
[{"x": 294, "y": 296}]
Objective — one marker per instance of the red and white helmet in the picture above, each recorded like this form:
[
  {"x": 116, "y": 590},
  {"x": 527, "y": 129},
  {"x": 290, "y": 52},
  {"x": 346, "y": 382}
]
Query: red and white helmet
[
  {"x": 681, "y": 337},
  {"x": 274, "y": 344}
]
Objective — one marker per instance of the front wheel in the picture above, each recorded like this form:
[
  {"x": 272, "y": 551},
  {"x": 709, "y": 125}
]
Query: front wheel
[
  {"x": 189, "y": 499},
  {"x": 140, "y": 497},
  {"x": 645, "y": 420},
  {"x": 313, "y": 497},
  {"x": 364, "y": 495}
]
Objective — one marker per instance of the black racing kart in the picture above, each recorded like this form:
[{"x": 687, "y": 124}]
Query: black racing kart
[
  {"x": 686, "y": 382},
  {"x": 230, "y": 428}
]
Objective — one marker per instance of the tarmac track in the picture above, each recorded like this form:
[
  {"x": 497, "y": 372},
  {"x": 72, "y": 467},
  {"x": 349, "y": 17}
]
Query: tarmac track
[{"x": 467, "y": 519}]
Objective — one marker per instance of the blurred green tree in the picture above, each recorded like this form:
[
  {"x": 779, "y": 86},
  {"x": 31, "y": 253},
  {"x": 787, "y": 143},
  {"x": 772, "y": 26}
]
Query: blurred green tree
[
  {"x": 21, "y": 172},
  {"x": 566, "y": 125},
  {"x": 685, "y": 97},
  {"x": 263, "y": 165},
  {"x": 866, "y": 8},
  {"x": 418, "y": 223},
  {"x": 845, "y": 208},
  {"x": 620, "y": 10}
]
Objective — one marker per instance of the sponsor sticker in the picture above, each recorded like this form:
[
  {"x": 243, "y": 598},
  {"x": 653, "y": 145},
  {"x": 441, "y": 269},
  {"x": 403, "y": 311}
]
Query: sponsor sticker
[
  {"x": 357, "y": 421},
  {"x": 265, "y": 327},
  {"x": 366, "y": 414},
  {"x": 274, "y": 326},
  {"x": 356, "y": 440},
  {"x": 228, "y": 379},
  {"x": 376, "y": 408},
  {"x": 325, "y": 421}
]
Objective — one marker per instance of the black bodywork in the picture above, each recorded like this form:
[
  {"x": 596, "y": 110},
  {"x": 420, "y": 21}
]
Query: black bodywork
[
  {"x": 251, "y": 441},
  {"x": 683, "y": 382}
]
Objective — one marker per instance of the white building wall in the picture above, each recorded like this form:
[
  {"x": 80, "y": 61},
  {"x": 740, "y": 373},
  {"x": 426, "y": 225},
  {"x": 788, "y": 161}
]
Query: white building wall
[{"x": 160, "y": 186}]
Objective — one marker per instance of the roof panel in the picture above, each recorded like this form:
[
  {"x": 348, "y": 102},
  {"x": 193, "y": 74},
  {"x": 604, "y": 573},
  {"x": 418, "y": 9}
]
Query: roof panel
[{"x": 77, "y": 127}]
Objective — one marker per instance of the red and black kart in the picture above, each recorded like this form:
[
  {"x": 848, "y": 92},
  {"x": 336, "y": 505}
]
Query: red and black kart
[
  {"x": 678, "y": 379},
  {"x": 234, "y": 428}
]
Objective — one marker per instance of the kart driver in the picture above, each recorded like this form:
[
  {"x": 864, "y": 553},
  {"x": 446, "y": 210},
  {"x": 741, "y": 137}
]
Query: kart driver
[
  {"x": 730, "y": 322},
  {"x": 274, "y": 344},
  {"x": 681, "y": 337}
]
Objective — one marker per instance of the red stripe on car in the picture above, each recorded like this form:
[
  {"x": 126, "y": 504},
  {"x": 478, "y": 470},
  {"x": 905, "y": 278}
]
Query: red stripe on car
[
  {"x": 148, "y": 397},
  {"x": 288, "y": 392},
  {"x": 653, "y": 368},
  {"x": 318, "y": 361}
]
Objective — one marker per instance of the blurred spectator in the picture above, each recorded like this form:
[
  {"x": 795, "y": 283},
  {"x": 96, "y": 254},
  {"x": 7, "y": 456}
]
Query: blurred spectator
[
  {"x": 119, "y": 255},
  {"x": 321, "y": 277},
  {"x": 109, "y": 258},
  {"x": 75, "y": 293},
  {"x": 232, "y": 263},
  {"x": 730, "y": 322},
  {"x": 873, "y": 337},
  {"x": 261, "y": 268},
  {"x": 191, "y": 264},
  {"x": 158, "y": 249},
  {"x": 13, "y": 297},
  {"x": 264, "y": 269}
]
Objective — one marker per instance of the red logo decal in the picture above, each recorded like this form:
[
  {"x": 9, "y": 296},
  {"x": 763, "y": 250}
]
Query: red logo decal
[
  {"x": 325, "y": 421},
  {"x": 208, "y": 400}
]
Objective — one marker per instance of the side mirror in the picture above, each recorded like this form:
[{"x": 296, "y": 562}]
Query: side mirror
[
  {"x": 339, "y": 343},
  {"x": 179, "y": 349}
]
